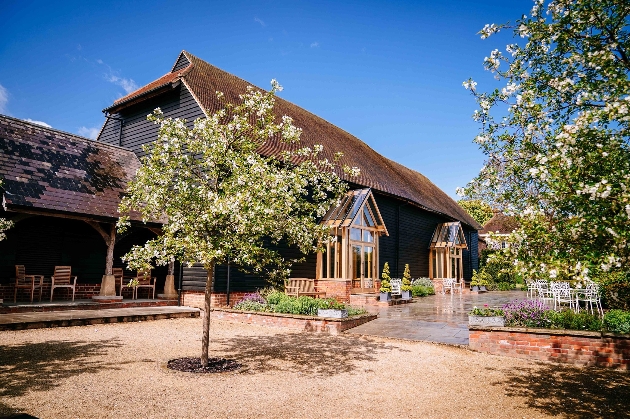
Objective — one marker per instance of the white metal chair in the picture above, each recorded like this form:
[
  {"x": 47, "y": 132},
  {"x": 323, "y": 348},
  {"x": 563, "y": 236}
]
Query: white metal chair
[
  {"x": 532, "y": 288},
  {"x": 562, "y": 294},
  {"x": 543, "y": 292},
  {"x": 396, "y": 283},
  {"x": 457, "y": 285},
  {"x": 589, "y": 295},
  {"x": 447, "y": 284}
]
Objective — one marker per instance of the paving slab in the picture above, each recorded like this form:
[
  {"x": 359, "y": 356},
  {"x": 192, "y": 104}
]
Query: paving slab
[{"x": 437, "y": 318}]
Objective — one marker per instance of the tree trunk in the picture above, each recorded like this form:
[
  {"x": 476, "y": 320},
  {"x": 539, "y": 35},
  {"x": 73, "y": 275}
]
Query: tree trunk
[
  {"x": 205, "y": 340},
  {"x": 109, "y": 260}
]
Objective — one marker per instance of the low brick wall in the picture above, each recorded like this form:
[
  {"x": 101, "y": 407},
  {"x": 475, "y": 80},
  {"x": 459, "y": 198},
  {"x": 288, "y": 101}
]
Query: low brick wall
[
  {"x": 292, "y": 321},
  {"x": 196, "y": 299},
  {"x": 564, "y": 346}
]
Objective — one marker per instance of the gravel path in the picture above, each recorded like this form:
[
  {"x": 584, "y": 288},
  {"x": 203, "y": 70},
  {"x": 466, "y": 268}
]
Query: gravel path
[{"x": 116, "y": 371}]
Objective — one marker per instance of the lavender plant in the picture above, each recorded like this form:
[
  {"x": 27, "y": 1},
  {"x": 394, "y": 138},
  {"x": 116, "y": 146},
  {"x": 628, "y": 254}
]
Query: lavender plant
[{"x": 526, "y": 313}]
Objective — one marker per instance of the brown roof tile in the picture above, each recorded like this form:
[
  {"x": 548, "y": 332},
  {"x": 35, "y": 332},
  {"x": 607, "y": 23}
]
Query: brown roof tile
[
  {"x": 500, "y": 223},
  {"x": 43, "y": 168}
]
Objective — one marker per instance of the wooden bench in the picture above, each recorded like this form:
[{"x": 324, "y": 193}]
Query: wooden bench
[{"x": 297, "y": 287}]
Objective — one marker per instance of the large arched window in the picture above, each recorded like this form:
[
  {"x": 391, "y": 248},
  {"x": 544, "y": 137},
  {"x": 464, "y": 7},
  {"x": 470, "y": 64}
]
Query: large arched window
[
  {"x": 356, "y": 225},
  {"x": 447, "y": 245}
]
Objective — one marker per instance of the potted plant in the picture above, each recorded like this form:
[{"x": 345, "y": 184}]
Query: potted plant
[
  {"x": 386, "y": 288},
  {"x": 492, "y": 317},
  {"x": 332, "y": 308},
  {"x": 405, "y": 288}
]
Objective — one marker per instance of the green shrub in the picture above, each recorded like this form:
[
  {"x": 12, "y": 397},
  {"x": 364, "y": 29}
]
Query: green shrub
[
  {"x": 274, "y": 297},
  {"x": 406, "y": 279},
  {"x": 355, "y": 311},
  {"x": 248, "y": 305},
  {"x": 615, "y": 289},
  {"x": 567, "y": 319},
  {"x": 505, "y": 286},
  {"x": 425, "y": 282},
  {"x": 385, "y": 285},
  {"x": 421, "y": 291},
  {"x": 480, "y": 278},
  {"x": 617, "y": 321}
]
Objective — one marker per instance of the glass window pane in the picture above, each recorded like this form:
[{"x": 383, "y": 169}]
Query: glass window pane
[
  {"x": 368, "y": 236},
  {"x": 367, "y": 261},
  {"x": 355, "y": 234},
  {"x": 356, "y": 262},
  {"x": 324, "y": 264},
  {"x": 332, "y": 254},
  {"x": 337, "y": 267},
  {"x": 368, "y": 217}
]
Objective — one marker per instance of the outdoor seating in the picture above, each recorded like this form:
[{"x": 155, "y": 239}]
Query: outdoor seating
[
  {"x": 396, "y": 284},
  {"x": 458, "y": 285},
  {"x": 62, "y": 278},
  {"x": 562, "y": 293},
  {"x": 447, "y": 284},
  {"x": 28, "y": 282},
  {"x": 543, "y": 293},
  {"x": 297, "y": 287},
  {"x": 145, "y": 280},
  {"x": 589, "y": 295},
  {"x": 119, "y": 280}
]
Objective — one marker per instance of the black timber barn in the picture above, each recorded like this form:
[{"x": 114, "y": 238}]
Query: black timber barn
[{"x": 410, "y": 206}]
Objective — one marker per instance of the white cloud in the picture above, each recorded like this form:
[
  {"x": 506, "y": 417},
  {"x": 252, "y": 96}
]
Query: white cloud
[
  {"x": 128, "y": 85},
  {"x": 90, "y": 133},
  {"x": 43, "y": 124},
  {"x": 315, "y": 44},
  {"x": 260, "y": 21},
  {"x": 4, "y": 99},
  {"x": 99, "y": 61}
]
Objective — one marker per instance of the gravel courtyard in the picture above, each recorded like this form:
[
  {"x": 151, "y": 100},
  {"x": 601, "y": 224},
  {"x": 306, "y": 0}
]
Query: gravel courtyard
[{"x": 116, "y": 371}]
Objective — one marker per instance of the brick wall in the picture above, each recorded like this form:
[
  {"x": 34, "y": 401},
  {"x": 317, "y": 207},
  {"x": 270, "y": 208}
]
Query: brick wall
[
  {"x": 302, "y": 323},
  {"x": 571, "y": 347},
  {"x": 196, "y": 299},
  {"x": 335, "y": 288}
]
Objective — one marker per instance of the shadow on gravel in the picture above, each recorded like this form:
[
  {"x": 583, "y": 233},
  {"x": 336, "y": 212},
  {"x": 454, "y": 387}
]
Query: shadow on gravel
[
  {"x": 42, "y": 366},
  {"x": 302, "y": 352},
  {"x": 570, "y": 391}
]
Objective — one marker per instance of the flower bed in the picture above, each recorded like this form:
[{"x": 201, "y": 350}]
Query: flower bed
[
  {"x": 292, "y": 321},
  {"x": 278, "y": 302}
]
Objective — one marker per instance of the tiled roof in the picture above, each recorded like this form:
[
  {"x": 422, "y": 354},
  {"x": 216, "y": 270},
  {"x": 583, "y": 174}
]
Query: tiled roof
[
  {"x": 156, "y": 84},
  {"x": 45, "y": 169},
  {"x": 377, "y": 172},
  {"x": 500, "y": 223}
]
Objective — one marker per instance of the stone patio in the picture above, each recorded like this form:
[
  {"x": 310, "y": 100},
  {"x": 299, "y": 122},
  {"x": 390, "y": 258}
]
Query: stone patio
[{"x": 436, "y": 318}]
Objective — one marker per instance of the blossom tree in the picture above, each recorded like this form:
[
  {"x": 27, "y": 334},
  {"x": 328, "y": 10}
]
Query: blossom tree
[
  {"x": 556, "y": 136},
  {"x": 479, "y": 210},
  {"x": 220, "y": 200}
]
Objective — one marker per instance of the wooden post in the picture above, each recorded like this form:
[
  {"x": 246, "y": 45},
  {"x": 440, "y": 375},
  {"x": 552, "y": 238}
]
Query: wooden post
[{"x": 108, "y": 284}]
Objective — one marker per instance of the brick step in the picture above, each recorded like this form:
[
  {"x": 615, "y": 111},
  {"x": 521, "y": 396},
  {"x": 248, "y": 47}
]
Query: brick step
[
  {"x": 44, "y": 307},
  {"x": 20, "y": 321}
]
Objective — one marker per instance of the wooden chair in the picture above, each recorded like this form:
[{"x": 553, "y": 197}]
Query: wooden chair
[
  {"x": 62, "y": 278},
  {"x": 297, "y": 287},
  {"x": 145, "y": 280},
  {"x": 23, "y": 281},
  {"x": 118, "y": 279}
]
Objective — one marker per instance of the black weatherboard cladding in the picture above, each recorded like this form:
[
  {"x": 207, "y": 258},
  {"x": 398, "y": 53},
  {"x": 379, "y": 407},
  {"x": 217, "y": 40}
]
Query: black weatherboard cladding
[{"x": 137, "y": 130}]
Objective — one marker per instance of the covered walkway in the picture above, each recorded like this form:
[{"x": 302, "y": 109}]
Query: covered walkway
[{"x": 436, "y": 318}]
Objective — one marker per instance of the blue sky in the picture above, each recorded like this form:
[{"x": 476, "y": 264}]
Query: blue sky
[{"x": 388, "y": 72}]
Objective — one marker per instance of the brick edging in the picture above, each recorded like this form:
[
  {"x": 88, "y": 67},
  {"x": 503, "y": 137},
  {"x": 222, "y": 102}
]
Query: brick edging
[
  {"x": 557, "y": 345},
  {"x": 293, "y": 321}
]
